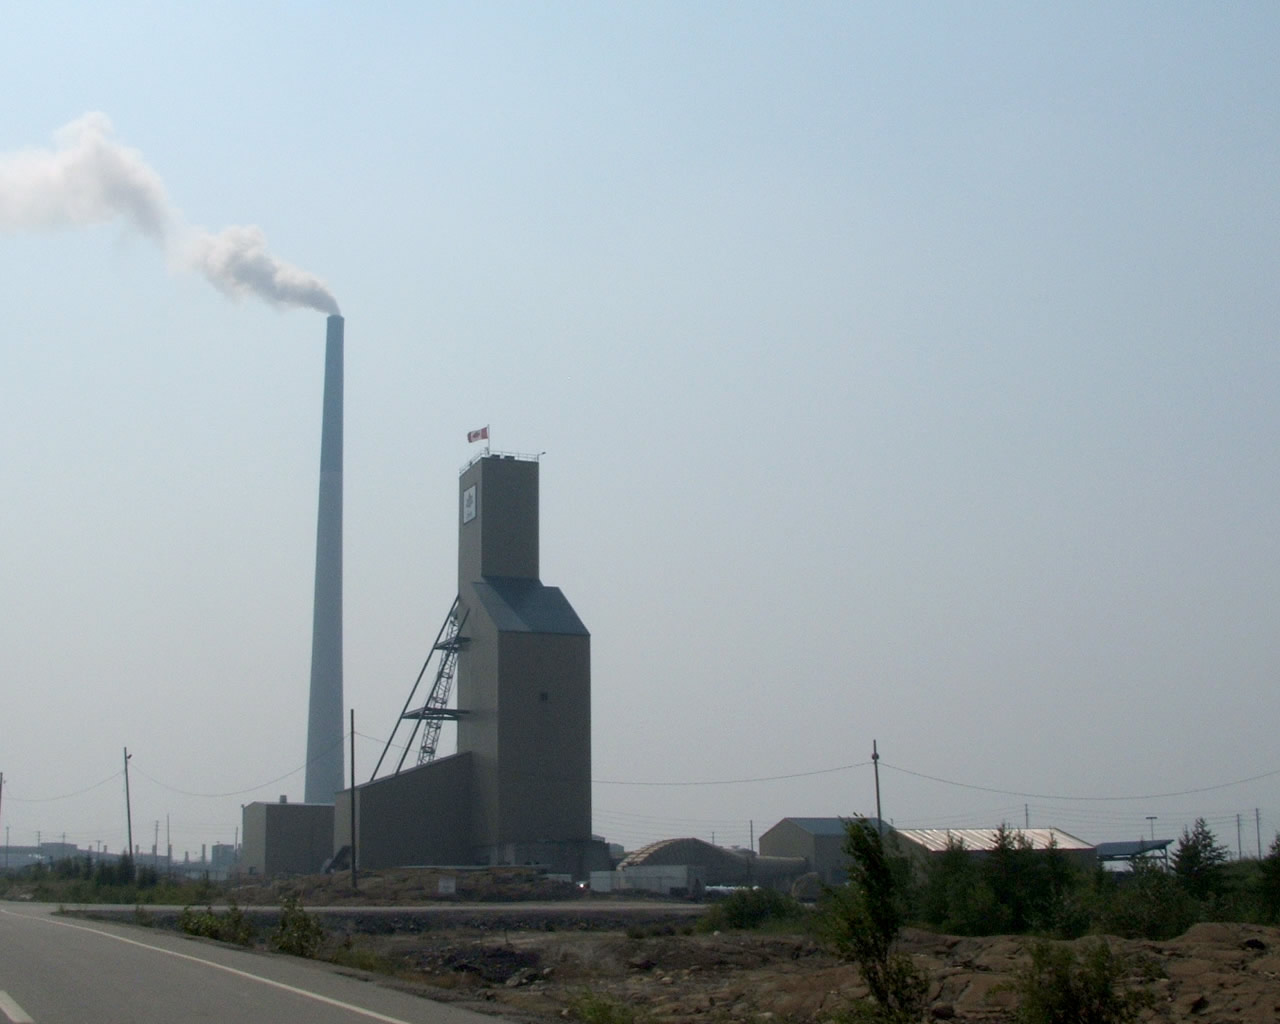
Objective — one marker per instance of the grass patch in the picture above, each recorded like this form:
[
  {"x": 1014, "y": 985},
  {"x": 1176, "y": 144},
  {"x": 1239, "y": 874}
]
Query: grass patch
[
  {"x": 597, "y": 1008},
  {"x": 363, "y": 959}
]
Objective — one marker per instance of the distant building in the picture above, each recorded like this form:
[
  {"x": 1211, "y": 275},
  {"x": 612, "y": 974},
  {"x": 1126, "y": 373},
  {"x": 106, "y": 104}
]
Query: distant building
[
  {"x": 981, "y": 841},
  {"x": 1124, "y": 855},
  {"x": 286, "y": 839},
  {"x": 821, "y": 842}
]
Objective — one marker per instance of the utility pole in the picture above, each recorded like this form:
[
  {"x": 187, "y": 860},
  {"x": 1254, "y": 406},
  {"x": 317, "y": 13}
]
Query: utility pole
[
  {"x": 354, "y": 880},
  {"x": 1151, "y": 819},
  {"x": 1257, "y": 820},
  {"x": 751, "y": 826},
  {"x": 168, "y": 847},
  {"x": 128, "y": 807},
  {"x": 6, "y": 828},
  {"x": 875, "y": 765},
  {"x": 1239, "y": 848},
  {"x": 1026, "y": 815}
]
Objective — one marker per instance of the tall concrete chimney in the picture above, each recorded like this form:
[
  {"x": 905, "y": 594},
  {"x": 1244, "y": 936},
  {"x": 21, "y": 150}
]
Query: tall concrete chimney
[{"x": 324, "y": 723}]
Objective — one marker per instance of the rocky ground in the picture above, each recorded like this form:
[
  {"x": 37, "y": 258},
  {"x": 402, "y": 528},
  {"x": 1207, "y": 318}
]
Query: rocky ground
[
  {"x": 550, "y": 950},
  {"x": 1214, "y": 973}
]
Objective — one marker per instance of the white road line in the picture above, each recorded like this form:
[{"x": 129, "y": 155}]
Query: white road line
[
  {"x": 15, "y": 1013},
  {"x": 24, "y": 1019}
]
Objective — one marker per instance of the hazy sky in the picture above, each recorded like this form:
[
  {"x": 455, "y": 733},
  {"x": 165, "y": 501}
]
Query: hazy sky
[{"x": 904, "y": 373}]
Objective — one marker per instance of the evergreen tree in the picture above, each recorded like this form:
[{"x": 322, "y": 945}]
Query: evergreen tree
[{"x": 1200, "y": 861}]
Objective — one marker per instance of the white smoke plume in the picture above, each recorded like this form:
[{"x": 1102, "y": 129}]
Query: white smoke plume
[
  {"x": 91, "y": 178},
  {"x": 236, "y": 260}
]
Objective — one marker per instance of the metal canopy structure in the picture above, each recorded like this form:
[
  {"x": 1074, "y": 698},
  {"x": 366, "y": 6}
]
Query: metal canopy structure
[
  {"x": 435, "y": 711},
  {"x": 1137, "y": 850}
]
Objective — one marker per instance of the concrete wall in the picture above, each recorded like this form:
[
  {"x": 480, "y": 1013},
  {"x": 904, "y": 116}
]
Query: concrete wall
[
  {"x": 421, "y": 816},
  {"x": 286, "y": 839},
  {"x": 478, "y": 729},
  {"x": 544, "y": 724},
  {"x": 502, "y": 538},
  {"x": 661, "y": 878}
]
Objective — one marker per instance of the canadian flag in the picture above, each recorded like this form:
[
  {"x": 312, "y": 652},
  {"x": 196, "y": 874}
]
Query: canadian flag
[{"x": 478, "y": 435}]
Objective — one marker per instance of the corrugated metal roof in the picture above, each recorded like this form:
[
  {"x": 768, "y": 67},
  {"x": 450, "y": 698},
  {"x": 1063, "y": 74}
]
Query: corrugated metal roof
[
  {"x": 984, "y": 839},
  {"x": 684, "y": 850}
]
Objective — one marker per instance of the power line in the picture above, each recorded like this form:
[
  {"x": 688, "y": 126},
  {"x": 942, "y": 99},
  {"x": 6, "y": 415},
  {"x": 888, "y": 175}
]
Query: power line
[
  {"x": 733, "y": 782},
  {"x": 1054, "y": 796},
  {"x": 251, "y": 789},
  {"x": 65, "y": 796}
]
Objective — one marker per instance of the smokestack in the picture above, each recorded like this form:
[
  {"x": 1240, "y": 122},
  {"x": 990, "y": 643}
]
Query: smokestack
[{"x": 324, "y": 724}]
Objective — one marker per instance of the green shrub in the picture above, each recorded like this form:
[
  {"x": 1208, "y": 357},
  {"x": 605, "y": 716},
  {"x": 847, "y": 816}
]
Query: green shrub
[
  {"x": 233, "y": 926},
  {"x": 298, "y": 933},
  {"x": 1062, "y": 985},
  {"x": 751, "y": 908}
]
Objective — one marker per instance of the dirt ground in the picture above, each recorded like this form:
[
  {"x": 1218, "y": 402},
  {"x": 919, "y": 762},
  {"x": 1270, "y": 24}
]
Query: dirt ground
[
  {"x": 1214, "y": 973},
  {"x": 535, "y": 960}
]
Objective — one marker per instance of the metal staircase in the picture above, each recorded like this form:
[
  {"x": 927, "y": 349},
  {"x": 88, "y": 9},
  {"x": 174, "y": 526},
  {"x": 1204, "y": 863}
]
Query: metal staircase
[{"x": 436, "y": 711}]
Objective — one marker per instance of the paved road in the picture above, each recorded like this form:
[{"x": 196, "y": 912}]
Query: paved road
[{"x": 64, "y": 971}]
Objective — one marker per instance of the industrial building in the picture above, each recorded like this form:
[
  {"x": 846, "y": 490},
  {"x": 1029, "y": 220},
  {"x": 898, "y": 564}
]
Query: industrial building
[
  {"x": 981, "y": 841},
  {"x": 286, "y": 839},
  {"x": 518, "y": 789},
  {"x": 817, "y": 841}
]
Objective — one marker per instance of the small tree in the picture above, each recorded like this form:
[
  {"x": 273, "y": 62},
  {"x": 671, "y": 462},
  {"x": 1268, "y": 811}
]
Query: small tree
[
  {"x": 860, "y": 921},
  {"x": 1199, "y": 861}
]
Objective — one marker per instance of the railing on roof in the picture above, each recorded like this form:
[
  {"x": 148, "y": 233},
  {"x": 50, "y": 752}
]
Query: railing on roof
[{"x": 486, "y": 454}]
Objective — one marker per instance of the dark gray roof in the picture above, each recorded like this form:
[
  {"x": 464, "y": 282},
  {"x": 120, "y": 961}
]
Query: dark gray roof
[
  {"x": 826, "y": 826},
  {"x": 526, "y": 606},
  {"x": 1130, "y": 849}
]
